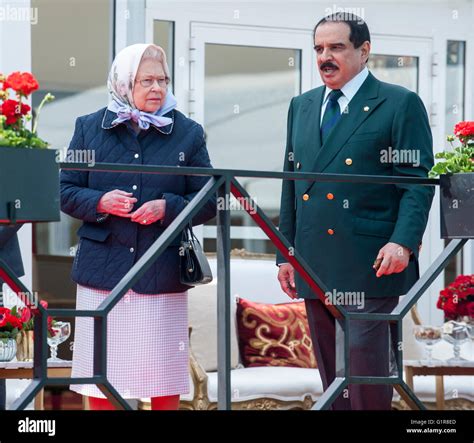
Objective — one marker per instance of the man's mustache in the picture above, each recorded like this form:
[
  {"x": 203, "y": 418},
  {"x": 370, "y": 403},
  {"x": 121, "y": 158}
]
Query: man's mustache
[{"x": 328, "y": 65}]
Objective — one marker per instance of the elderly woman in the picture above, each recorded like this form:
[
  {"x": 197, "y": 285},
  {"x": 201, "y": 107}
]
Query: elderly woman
[{"x": 123, "y": 214}]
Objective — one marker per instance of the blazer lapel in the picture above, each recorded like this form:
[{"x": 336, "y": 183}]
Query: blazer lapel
[
  {"x": 309, "y": 125},
  {"x": 359, "y": 109},
  {"x": 311, "y": 118}
]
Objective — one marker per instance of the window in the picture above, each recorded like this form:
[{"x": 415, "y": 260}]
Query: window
[
  {"x": 455, "y": 79},
  {"x": 398, "y": 69},
  {"x": 247, "y": 93},
  {"x": 163, "y": 35}
]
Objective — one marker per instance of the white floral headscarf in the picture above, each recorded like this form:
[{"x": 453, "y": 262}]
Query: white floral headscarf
[{"x": 120, "y": 85}]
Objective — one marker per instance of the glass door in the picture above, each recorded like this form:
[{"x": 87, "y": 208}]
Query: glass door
[
  {"x": 405, "y": 62},
  {"x": 242, "y": 81}
]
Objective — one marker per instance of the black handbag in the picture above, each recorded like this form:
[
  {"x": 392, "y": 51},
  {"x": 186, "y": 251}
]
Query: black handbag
[{"x": 194, "y": 267}]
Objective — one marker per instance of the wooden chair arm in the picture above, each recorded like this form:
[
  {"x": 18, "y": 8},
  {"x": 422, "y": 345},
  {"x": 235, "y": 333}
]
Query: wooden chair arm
[{"x": 199, "y": 378}]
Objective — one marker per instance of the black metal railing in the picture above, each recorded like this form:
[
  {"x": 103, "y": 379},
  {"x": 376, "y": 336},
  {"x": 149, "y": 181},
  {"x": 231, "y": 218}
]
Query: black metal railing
[{"x": 224, "y": 182}]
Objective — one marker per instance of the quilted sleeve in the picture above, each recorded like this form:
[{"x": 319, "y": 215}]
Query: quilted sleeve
[{"x": 77, "y": 199}]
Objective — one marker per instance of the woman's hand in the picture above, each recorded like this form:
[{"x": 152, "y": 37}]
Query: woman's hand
[
  {"x": 116, "y": 202},
  {"x": 149, "y": 212}
]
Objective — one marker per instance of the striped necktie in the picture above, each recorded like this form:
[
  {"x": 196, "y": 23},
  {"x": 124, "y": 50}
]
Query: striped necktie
[{"x": 332, "y": 114}]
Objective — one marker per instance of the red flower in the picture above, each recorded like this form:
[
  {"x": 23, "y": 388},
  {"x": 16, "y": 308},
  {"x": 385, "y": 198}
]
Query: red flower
[
  {"x": 14, "y": 321},
  {"x": 23, "y": 83},
  {"x": 35, "y": 311},
  {"x": 25, "y": 314},
  {"x": 4, "y": 311},
  {"x": 440, "y": 302},
  {"x": 13, "y": 110},
  {"x": 50, "y": 326},
  {"x": 470, "y": 309},
  {"x": 462, "y": 309},
  {"x": 464, "y": 131},
  {"x": 457, "y": 299},
  {"x": 450, "y": 308}
]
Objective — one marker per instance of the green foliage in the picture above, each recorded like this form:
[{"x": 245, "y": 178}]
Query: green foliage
[
  {"x": 459, "y": 160},
  {"x": 5, "y": 335},
  {"x": 22, "y": 138},
  {"x": 17, "y": 135}
]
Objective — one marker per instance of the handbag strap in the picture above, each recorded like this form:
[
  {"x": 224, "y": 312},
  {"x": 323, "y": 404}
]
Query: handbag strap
[
  {"x": 188, "y": 233},
  {"x": 190, "y": 228}
]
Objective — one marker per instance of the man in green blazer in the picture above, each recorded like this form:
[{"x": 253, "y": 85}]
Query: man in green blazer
[{"x": 361, "y": 239}]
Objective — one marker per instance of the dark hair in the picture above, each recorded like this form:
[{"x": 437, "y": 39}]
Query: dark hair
[{"x": 359, "y": 31}]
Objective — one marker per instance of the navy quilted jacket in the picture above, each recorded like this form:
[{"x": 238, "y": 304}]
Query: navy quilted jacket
[{"x": 108, "y": 249}]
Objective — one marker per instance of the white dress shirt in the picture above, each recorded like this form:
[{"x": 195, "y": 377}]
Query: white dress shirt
[{"x": 348, "y": 90}]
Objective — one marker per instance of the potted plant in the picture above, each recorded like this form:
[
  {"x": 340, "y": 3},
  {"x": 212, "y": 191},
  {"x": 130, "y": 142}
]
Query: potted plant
[
  {"x": 456, "y": 174},
  {"x": 457, "y": 300},
  {"x": 10, "y": 326},
  {"x": 29, "y": 172}
]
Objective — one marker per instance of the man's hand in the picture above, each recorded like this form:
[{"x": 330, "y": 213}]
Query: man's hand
[
  {"x": 394, "y": 259},
  {"x": 149, "y": 212},
  {"x": 286, "y": 277},
  {"x": 117, "y": 203}
]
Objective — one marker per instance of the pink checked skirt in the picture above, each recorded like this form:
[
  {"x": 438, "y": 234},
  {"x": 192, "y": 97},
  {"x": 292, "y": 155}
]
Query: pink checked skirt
[{"x": 147, "y": 344}]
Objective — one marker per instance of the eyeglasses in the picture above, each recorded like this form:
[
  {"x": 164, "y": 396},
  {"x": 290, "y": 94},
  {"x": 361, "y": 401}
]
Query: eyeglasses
[{"x": 149, "y": 82}]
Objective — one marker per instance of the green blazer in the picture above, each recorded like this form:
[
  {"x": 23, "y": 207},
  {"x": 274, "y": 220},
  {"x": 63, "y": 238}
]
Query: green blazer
[{"x": 339, "y": 228}]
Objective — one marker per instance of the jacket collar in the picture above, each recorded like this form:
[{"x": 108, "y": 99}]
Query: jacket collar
[
  {"x": 110, "y": 116},
  {"x": 351, "y": 87}
]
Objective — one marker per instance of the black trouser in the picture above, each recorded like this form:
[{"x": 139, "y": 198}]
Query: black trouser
[{"x": 371, "y": 353}]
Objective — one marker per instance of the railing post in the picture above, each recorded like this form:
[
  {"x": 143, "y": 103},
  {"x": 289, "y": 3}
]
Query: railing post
[{"x": 223, "y": 297}]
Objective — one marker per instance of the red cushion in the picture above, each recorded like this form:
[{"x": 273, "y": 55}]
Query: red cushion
[{"x": 274, "y": 334}]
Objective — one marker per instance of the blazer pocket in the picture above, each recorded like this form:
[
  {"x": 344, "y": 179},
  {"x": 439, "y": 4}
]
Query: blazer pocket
[
  {"x": 376, "y": 228},
  {"x": 91, "y": 231},
  {"x": 363, "y": 136}
]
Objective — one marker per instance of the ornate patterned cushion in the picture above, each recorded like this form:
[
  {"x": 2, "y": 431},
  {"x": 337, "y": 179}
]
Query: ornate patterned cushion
[{"x": 274, "y": 334}]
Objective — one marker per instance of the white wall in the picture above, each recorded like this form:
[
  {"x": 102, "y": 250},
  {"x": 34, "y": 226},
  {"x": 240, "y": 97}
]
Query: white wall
[{"x": 15, "y": 55}]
